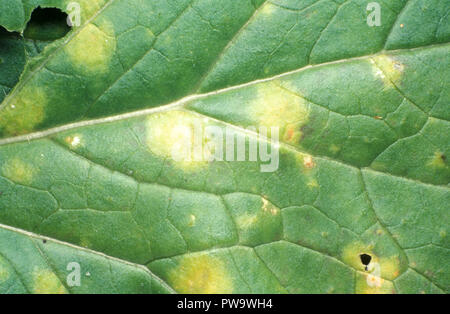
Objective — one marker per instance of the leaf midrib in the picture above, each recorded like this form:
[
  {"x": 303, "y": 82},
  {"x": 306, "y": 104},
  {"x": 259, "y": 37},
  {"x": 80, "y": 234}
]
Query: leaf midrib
[{"x": 179, "y": 104}]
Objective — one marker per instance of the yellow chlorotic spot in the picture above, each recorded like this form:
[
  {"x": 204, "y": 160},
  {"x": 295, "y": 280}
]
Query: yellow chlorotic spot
[
  {"x": 370, "y": 284},
  {"x": 92, "y": 49},
  {"x": 24, "y": 112},
  {"x": 18, "y": 171},
  {"x": 438, "y": 161},
  {"x": 192, "y": 219},
  {"x": 201, "y": 274},
  {"x": 179, "y": 137},
  {"x": 267, "y": 9},
  {"x": 334, "y": 149},
  {"x": 46, "y": 282},
  {"x": 442, "y": 233},
  {"x": 245, "y": 221},
  {"x": 390, "y": 267},
  {"x": 4, "y": 273},
  {"x": 313, "y": 183},
  {"x": 268, "y": 207},
  {"x": 387, "y": 69},
  {"x": 84, "y": 242},
  {"x": 276, "y": 106}
]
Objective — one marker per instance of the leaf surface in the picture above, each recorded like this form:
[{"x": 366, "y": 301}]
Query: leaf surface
[{"x": 88, "y": 131}]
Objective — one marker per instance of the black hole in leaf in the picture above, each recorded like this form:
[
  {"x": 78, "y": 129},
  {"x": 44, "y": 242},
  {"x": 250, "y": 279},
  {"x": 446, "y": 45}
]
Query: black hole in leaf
[
  {"x": 365, "y": 260},
  {"x": 47, "y": 24},
  {"x": 44, "y": 241}
]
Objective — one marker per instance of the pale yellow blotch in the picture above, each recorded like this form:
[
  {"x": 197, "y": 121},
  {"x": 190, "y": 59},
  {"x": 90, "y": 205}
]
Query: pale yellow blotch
[
  {"x": 46, "y": 282},
  {"x": 201, "y": 274},
  {"x": 92, "y": 49},
  {"x": 4, "y": 270},
  {"x": 334, "y": 149},
  {"x": 192, "y": 220},
  {"x": 245, "y": 221},
  {"x": 268, "y": 207},
  {"x": 84, "y": 242},
  {"x": 370, "y": 284},
  {"x": 174, "y": 135},
  {"x": 276, "y": 106},
  {"x": 18, "y": 171},
  {"x": 374, "y": 281},
  {"x": 387, "y": 69},
  {"x": 312, "y": 183},
  {"x": 438, "y": 161},
  {"x": 267, "y": 9},
  {"x": 24, "y": 112},
  {"x": 390, "y": 267}
]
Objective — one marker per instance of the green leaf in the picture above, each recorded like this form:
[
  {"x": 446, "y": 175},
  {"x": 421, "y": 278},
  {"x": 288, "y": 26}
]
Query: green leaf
[
  {"x": 89, "y": 132},
  {"x": 41, "y": 266}
]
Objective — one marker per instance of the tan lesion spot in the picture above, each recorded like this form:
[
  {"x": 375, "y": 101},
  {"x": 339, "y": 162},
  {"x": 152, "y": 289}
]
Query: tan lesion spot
[
  {"x": 389, "y": 70},
  {"x": 74, "y": 141},
  {"x": 308, "y": 162}
]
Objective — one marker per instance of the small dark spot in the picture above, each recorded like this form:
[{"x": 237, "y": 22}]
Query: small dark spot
[
  {"x": 443, "y": 157},
  {"x": 44, "y": 241},
  {"x": 365, "y": 260}
]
